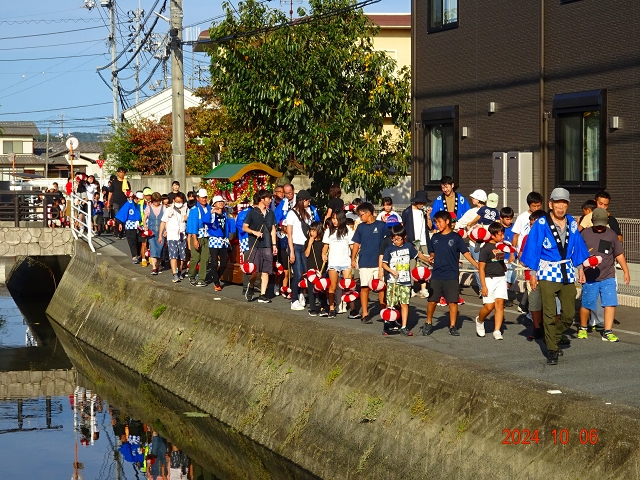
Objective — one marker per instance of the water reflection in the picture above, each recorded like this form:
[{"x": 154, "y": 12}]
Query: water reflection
[{"x": 81, "y": 415}]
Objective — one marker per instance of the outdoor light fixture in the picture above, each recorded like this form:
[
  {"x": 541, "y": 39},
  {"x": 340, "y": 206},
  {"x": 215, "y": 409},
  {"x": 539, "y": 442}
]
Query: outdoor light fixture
[
  {"x": 465, "y": 132},
  {"x": 614, "y": 123},
  {"x": 492, "y": 107}
]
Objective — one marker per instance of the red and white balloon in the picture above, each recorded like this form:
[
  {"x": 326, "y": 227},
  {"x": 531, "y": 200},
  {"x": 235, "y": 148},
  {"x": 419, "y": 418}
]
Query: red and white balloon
[{"x": 421, "y": 274}]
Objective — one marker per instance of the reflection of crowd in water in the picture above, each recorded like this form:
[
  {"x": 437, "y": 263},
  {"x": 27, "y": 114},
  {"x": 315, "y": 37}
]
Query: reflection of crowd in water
[{"x": 138, "y": 443}]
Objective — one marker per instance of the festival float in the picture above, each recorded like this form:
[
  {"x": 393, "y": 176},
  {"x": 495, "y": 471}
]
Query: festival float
[{"x": 237, "y": 183}]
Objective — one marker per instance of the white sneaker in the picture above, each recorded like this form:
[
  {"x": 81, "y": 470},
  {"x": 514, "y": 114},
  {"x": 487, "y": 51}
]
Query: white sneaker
[
  {"x": 480, "y": 328},
  {"x": 497, "y": 335},
  {"x": 342, "y": 308},
  {"x": 296, "y": 306},
  {"x": 302, "y": 301},
  {"x": 424, "y": 294}
]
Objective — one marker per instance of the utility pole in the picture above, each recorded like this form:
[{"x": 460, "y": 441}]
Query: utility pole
[
  {"x": 137, "y": 18},
  {"x": 179, "y": 168},
  {"x": 111, "y": 5},
  {"x": 46, "y": 157}
]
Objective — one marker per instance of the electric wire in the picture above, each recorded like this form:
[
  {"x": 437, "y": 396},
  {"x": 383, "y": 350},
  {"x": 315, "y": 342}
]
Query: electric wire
[
  {"x": 51, "y": 33},
  {"x": 52, "y": 45},
  {"x": 50, "y": 58},
  {"x": 54, "y": 109}
]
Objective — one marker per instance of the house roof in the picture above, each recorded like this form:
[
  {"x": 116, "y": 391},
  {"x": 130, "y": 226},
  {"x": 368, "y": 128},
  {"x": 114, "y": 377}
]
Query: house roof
[
  {"x": 58, "y": 149},
  {"x": 22, "y": 159},
  {"x": 235, "y": 171},
  {"x": 19, "y": 128},
  {"x": 383, "y": 20}
]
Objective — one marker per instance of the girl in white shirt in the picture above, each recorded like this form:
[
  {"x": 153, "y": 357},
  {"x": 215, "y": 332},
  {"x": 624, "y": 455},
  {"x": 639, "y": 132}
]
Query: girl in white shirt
[{"x": 337, "y": 253}]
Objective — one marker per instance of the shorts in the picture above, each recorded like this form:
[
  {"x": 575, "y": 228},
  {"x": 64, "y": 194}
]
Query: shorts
[
  {"x": 497, "y": 287},
  {"x": 263, "y": 259},
  {"x": 176, "y": 474},
  {"x": 98, "y": 220},
  {"x": 338, "y": 268},
  {"x": 399, "y": 294},
  {"x": 368, "y": 274},
  {"x": 607, "y": 290},
  {"x": 283, "y": 256},
  {"x": 449, "y": 289},
  {"x": 535, "y": 299},
  {"x": 177, "y": 249}
]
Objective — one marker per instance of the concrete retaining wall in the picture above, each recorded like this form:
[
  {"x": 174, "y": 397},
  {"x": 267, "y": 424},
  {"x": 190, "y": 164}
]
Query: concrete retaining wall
[
  {"x": 338, "y": 403},
  {"x": 32, "y": 384}
]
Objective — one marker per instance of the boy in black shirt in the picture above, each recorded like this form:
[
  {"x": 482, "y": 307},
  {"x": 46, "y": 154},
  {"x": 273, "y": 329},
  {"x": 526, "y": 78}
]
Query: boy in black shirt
[
  {"x": 493, "y": 281},
  {"x": 446, "y": 247}
]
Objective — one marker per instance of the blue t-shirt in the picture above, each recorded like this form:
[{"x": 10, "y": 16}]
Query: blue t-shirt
[
  {"x": 370, "y": 236},
  {"x": 98, "y": 208},
  {"x": 398, "y": 259},
  {"x": 488, "y": 215},
  {"x": 446, "y": 250},
  {"x": 508, "y": 234}
]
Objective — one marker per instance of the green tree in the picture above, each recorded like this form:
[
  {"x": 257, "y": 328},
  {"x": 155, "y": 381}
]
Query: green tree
[
  {"x": 311, "y": 98},
  {"x": 118, "y": 149}
]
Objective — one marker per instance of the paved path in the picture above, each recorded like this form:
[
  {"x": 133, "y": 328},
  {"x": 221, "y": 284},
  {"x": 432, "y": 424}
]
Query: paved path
[{"x": 609, "y": 371}]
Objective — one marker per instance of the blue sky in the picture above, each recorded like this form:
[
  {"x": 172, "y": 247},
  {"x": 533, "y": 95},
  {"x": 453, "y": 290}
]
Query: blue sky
[{"x": 48, "y": 59}]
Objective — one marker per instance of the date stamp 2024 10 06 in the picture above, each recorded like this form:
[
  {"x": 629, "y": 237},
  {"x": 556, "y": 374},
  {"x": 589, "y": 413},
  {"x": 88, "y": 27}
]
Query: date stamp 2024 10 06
[{"x": 524, "y": 436}]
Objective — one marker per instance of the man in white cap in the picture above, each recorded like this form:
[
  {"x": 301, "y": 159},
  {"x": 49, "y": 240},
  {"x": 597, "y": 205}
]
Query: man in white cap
[
  {"x": 219, "y": 240},
  {"x": 553, "y": 250},
  {"x": 198, "y": 225}
]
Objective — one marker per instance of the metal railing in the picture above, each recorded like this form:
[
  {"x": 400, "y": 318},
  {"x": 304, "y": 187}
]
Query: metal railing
[
  {"x": 81, "y": 220},
  {"x": 25, "y": 207}
]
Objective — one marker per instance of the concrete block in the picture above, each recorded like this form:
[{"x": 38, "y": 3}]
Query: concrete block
[
  {"x": 13, "y": 237},
  {"x": 36, "y": 233},
  {"x": 36, "y": 376},
  {"x": 33, "y": 249},
  {"x": 45, "y": 242},
  {"x": 25, "y": 235}
]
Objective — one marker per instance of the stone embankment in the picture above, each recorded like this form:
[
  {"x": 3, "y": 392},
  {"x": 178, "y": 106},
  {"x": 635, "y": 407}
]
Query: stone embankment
[{"x": 334, "y": 401}]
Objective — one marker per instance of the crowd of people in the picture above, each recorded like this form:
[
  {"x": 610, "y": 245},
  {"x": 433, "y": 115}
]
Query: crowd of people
[{"x": 331, "y": 263}]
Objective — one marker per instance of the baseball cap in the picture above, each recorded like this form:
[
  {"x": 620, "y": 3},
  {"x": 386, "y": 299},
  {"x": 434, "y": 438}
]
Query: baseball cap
[
  {"x": 203, "y": 193},
  {"x": 392, "y": 220},
  {"x": 600, "y": 217},
  {"x": 480, "y": 195},
  {"x": 139, "y": 195},
  {"x": 215, "y": 199},
  {"x": 560, "y": 194},
  {"x": 492, "y": 200},
  {"x": 147, "y": 191},
  {"x": 303, "y": 195}
]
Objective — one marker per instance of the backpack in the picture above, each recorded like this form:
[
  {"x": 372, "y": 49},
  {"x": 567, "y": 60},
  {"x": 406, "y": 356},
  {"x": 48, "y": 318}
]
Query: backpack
[{"x": 304, "y": 225}]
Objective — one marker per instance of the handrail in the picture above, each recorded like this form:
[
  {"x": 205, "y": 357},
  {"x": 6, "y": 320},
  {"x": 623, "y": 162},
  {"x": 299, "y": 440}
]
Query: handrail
[{"x": 81, "y": 228}]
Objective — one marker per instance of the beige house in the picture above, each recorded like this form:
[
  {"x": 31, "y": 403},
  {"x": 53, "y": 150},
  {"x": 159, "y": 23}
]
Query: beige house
[
  {"x": 394, "y": 36},
  {"x": 16, "y": 150},
  {"x": 157, "y": 106}
]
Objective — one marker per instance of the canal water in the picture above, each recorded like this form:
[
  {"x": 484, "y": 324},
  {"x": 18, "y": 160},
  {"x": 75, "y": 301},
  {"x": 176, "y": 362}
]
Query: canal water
[{"x": 69, "y": 412}]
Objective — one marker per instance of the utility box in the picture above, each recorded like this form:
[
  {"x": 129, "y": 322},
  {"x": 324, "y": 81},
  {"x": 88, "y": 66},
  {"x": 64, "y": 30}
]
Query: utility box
[
  {"x": 519, "y": 179},
  {"x": 499, "y": 183}
]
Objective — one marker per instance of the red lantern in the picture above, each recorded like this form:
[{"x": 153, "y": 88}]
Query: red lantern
[
  {"x": 111, "y": 222},
  {"x": 480, "y": 234},
  {"x": 248, "y": 268},
  {"x": 506, "y": 247},
  {"x": 389, "y": 314},
  {"x": 347, "y": 284},
  {"x": 421, "y": 274},
  {"x": 321, "y": 284},
  {"x": 462, "y": 232},
  {"x": 312, "y": 275},
  {"x": 285, "y": 291},
  {"x": 350, "y": 296},
  {"x": 592, "y": 262},
  {"x": 303, "y": 284},
  {"x": 279, "y": 269},
  {"x": 377, "y": 285}
]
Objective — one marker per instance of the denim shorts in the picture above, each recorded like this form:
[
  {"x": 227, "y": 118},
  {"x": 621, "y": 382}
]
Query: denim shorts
[
  {"x": 605, "y": 288},
  {"x": 339, "y": 268}
]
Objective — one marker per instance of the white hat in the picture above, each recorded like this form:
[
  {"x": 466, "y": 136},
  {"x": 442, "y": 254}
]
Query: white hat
[
  {"x": 217, "y": 198},
  {"x": 492, "y": 200},
  {"x": 139, "y": 195},
  {"x": 203, "y": 193},
  {"x": 480, "y": 195}
]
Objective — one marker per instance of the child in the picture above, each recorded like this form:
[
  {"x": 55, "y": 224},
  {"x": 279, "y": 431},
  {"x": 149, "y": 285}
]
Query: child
[
  {"x": 337, "y": 253},
  {"x": 487, "y": 214},
  {"x": 506, "y": 219},
  {"x": 587, "y": 207},
  {"x": 395, "y": 262},
  {"x": 172, "y": 228},
  {"x": 387, "y": 210},
  {"x": 129, "y": 217},
  {"x": 313, "y": 252},
  {"x": 97, "y": 214},
  {"x": 531, "y": 298},
  {"x": 492, "y": 281},
  {"x": 446, "y": 247}
]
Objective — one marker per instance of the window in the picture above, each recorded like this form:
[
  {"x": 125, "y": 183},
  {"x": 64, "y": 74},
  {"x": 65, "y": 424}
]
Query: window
[
  {"x": 580, "y": 138},
  {"x": 440, "y": 143},
  {"x": 10, "y": 146},
  {"x": 443, "y": 14}
]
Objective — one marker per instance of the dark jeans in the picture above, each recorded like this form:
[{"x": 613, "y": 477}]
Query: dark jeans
[
  {"x": 116, "y": 208},
  {"x": 299, "y": 269},
  {"x": 322, "y": 297},
  {"x": 217, "y": 269}
]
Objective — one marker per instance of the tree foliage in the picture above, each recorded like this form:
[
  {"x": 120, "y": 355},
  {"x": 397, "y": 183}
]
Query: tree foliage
[
  {"x": 145, "y": 145},
  {"x": 311, "y": 98}
]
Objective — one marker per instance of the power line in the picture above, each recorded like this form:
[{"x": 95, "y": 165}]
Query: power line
[
  {"x": 46, "y": 13},
  {"x": 52, "y": 45},
  {"x": 51, "y": 58},
  {"x": 56, "y": 109},
  {"x": 51, "y": 33},
  {"x": 62, "y": 20}
]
